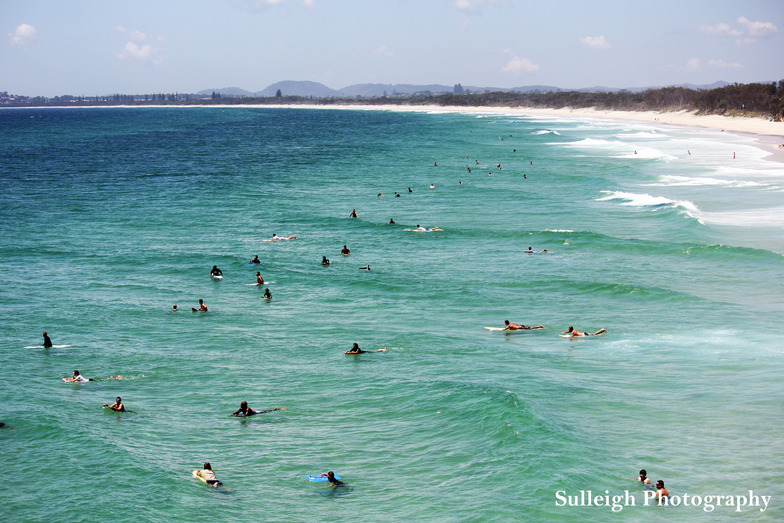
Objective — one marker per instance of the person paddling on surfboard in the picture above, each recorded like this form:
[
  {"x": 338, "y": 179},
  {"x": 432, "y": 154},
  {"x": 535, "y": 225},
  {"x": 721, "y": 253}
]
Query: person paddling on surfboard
[
  {"x": 202, "y": 307},
  {"x": 216, "y": 271},
  {"x": 47, "y": 341},
  {"x": 244, "y": 410},
  {"x": 117, "y": 405},
  {"x": 208, "y": 475},
  {"x": 517, "y": 327},
  {"x": 255, "y": 260},
  {"x": 574, "y": 333},
  {"x": 356, "y": 350}
]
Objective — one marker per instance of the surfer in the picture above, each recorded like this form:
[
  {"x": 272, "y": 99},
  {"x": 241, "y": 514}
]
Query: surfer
[
  {"x": 529, "y": 251},
  {"x": 216, "y": 271},
  {"x": 365, "y": 268},
  {"x": 420, "y": 228},
  {"x": 574, "y": 333},
  {"x": 117, "y": 405},
  {"x": 392, "y": 221},
  {"x": 397, "y": 195},
  {"x": 208, "y": 475},
  {"x": 47, "y": 341},
  {"x": 324, "y": 260},
  {"x": 517, "y": 327},
  {"x": 267, "y": 295},
  {"x": 355, "y": 350},
  {"x": 333, "y": 481},
  {"x": 202, "y": 307},
  {"x": 409, "y": 189},
  {"x": 644, "y": 479},
  {"x": 353, "y": 214},
  {"x": 432, "y": 186},
  {"x": 275, "y": 237},
  {"x": 344, "y": 251},
  {"x": 255, "y": 260},
  {"x": 244, "y": 410},
  {"x": 77, "y": 378},
  {"x": 174, "y": 308},
  {"x": 259, "y": 279}
]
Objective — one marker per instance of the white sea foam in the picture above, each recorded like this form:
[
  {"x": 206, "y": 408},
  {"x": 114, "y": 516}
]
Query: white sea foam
[
  {"x": 546, "y": 131},
  {"x": 683, "y": 181},
  {"x": 652, "y": 202},
  {"x": 559, "y": 230},
  {"x": 643, "y": 135}
]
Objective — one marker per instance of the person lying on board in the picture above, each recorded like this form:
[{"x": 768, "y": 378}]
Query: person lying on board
[{"x": 519, "y": 327}]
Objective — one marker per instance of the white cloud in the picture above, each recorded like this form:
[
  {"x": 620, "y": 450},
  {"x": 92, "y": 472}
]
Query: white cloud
[
  {"x": 725, "y": 65},
  {"x": 693, "y": 64},
  {"x": 475, "y": 5},
  {"x": 595, "y": 42},
  {"x": 517, "y": 65},
  {"x": 383, "y": 51},
  {"x": 23, "y": 35},
  {"x": 748, "y": 32},
  {"x": 139, "y": 48}
]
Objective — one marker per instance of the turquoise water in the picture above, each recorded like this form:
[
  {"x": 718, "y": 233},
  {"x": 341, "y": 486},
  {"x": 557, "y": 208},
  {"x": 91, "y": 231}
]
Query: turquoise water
[{"x": 110, "y": 216}]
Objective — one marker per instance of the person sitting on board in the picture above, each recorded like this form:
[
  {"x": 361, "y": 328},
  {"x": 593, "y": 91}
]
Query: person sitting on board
[
  {"x": 518, "y": 327},
  {"x": 574, "y": 333},
  {"x": 259, "y": 279},
  {"x": 255, "y": 260},
  {"x": 644, "y": 479},
  {"x": 117, "y": 405},
  {"x": 208, "y": 475},
  {"x": 47, "y": 341},
  {"x": 324, "y": 260},
  {"x": 333, "y": 481},
  {"x": 353, "y": 214},
  {"x": 344, "y": 251},
  {"x": 202, "y": 306},
  {"x": 267, "y": 294},
  {"x": 216, "y": 271},
  {"x": 77, "y": 378}
]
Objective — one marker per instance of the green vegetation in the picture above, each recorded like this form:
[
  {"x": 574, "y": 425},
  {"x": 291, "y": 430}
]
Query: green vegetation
[{"x": 755, "y": 99}]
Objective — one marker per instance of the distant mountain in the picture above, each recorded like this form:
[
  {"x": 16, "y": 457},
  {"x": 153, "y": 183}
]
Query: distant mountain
[
  {"x": 316, "y": 90},
  {"x": 293, "y": 88},
  {"x": 226, "y": 91}
]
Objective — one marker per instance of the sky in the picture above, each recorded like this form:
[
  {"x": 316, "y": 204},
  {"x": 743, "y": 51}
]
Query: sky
[{"x": 103, "y": 47}]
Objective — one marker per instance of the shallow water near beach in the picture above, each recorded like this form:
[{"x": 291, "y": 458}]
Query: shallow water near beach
[{"x": 657, "y": 234}]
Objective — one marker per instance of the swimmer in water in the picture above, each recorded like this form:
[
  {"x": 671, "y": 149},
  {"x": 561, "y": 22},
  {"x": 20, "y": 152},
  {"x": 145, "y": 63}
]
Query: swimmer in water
[
  {"x": 353, "y": 214},
  {"x": 324, "y": 260},
  {"x": 574, "y": 333},
  {"x": 344, "y": 251},
  {"x": 47, "y": 341},
  {"x": 216, "y": 271},
  {"x": 392, "y": 221},
  {"x": 259, "y": 279},
  {"x": 255, "y": 260},
  {"x": 202, "y": 306},
  {"x": 333, "y": 481},
  {"x": 117, "y": 405},
  {"x": 661, "y": 492},
  {"x": 519, "y": 327},
  {"x": 409, "y": 189},
  {"x": 174, "y": 308},
  {"x": 267, "y": 295},
  {"x": 208, "y": 475},
  {"x": 644, "y": 479}
]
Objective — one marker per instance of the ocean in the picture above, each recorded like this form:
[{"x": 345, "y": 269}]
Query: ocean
[{"x": 657, "y": 234}]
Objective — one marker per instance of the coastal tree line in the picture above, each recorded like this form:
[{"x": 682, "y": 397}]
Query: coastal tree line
[{"x": 753, "y": 99}]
